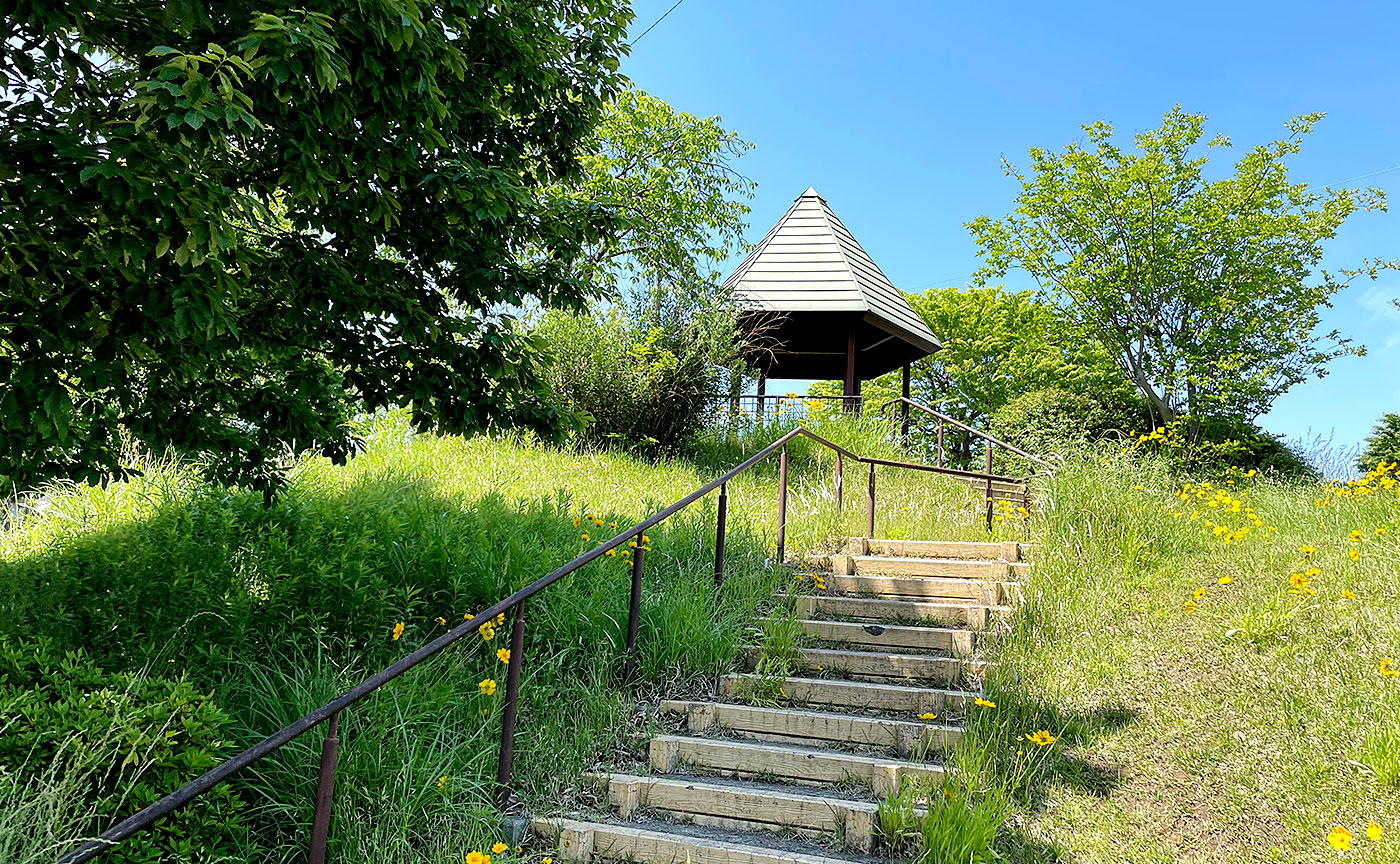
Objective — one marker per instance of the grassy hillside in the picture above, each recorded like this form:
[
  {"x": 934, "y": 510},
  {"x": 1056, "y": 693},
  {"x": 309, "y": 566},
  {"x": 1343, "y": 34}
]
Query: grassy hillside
[
  {"x": 1241, "y": 728},
  {"x": 272, "y": 611},
  {"x": 1211, "y": 706}
]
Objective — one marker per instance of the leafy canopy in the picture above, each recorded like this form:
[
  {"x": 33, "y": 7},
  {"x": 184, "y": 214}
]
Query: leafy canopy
[
  {"x": 1382, "y": 445},
  {"x": 1205, "y": 293},
  {"x": 641, "y": 366},
  {"x": 227, "y": 230},
  {"x": 998, "y": 346}
]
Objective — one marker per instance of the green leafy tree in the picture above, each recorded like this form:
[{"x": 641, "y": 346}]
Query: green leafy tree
[
  {"x": 227, "y": 228},
  {"x": 1382, "y": 445},
  {"x": 682, "y": 203},
  {"x": 641, "y": 366},
  {"x": 1206, "y": 293},
  {"x": 998, "y": 346}
]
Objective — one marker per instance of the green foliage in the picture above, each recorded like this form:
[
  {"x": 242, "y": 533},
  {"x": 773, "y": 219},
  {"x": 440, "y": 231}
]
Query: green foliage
[
  {"x": 131, "y": 738},
  {"x": 228, "y": 228},
  {"x": 1055, "y": 420},
  {"x": 998, "y": 346},
  {"x": 1201, "y": 291},
  {"x": 636, "y": 387},
  {"x": 1382, "y": 445},
  {"x": 668, "y": 174}
]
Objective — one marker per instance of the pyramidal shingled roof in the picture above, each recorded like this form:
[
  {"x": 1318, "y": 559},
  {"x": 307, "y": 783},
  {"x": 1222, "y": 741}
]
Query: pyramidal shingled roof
[{"x": 810, "y": 262}]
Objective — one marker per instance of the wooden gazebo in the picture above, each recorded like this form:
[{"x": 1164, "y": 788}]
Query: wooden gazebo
[{"x": 816, "y": 306}]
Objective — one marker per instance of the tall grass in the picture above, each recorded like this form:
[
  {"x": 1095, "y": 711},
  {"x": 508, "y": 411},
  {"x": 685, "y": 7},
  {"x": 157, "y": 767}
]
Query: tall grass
[{"x": 276, "y": 610}]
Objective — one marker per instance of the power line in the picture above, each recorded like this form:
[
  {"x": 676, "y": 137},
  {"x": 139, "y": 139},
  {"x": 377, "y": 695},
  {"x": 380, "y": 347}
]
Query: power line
[
  {"x": 1364, "y": 176},
  {"x": 658, "y": 21}
]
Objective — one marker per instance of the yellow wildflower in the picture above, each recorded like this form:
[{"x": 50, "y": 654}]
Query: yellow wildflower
[
  {"x": 467, "y": 616},
  {"x": 474, "y": 857},
  {"x": 1373, "y": 832},
  {"x": 1189, "y": 606},
  {"x": 985, "y": 703},
  {"x": 1313, "y": 572},
  {"x": 1307, "y": 550},
  {"x": 503, "y": 655},
  {"x": 1224, "y": 580},
  {"x": 546, "y": 861},
  {"x": 928, "y": 715},
  {"x": 1200, "y": 593},
  {"x": 441, "y": 621},
  {"x": 1354, "y": 553},
  {"x": 398, "y": 631},
  {"x": 487, "y": 686},
  {"x": 1348, "y": 594},
  {"x": 499, "y": 848},
  {"x": 1340, "y": 838},
  {"x": 585, "y": 537},
  {"x": 1357, "y": 535},
  {"x": 1388, "y": 668},
  {"x": 1298, "y": 580},
  {"x": 1043, "y": 738}
]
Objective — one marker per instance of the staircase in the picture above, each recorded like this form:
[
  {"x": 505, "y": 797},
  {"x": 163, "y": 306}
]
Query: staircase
[{"x": 893, "y": 638}]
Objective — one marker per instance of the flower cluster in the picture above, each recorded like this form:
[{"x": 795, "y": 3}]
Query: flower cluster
[
  {"x": 488, "y": 630},
  {"x": 1227, "y": 514},
  {"x": 1006, "y": 510},
  {"x": 1340, "y": 838},
  {"x": 1383, "y": 478}
]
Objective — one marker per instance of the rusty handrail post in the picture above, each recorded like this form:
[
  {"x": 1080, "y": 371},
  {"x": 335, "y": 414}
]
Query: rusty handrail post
[
  {"x": 840, "y": 484},
  {"x": 940, "y": 443},
  {"x": 989, "y": 486},
  {"x": 512, "y": 707},
  {"x": 870, "y": 510},
  {"x": 634, "y": 612},
  {"x": 325, "y": 792},
  {"x": 720, "y": 519},
  {"x": 782, "y": 503}
]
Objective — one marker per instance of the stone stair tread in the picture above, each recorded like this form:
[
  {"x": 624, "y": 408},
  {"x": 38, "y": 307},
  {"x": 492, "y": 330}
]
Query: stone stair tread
[
  {"x": 958, "y": 641},
  {"x": 581, "y": 840},
  {"x": 797, "y": 763},
  {"x": 960, "y": 611},
  {"x": 801, "y": 725},
  {"x": 895, "y": 697}
]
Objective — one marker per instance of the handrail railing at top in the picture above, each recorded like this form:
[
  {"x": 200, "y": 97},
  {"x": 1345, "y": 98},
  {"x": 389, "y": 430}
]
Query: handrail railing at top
[
  {"x": 944, "y": 418},
  {"x": 331, "y": 710}
]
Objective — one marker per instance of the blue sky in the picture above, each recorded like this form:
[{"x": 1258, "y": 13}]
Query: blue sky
[{"x": 899, "y": 114}]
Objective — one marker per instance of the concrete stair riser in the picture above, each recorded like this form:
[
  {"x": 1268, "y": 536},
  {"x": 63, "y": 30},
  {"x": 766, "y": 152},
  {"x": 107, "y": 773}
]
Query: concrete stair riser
[
  {"x": 867, "y": 665},
  {"x": 735, "y": 806},
  {"x": 796, "y": 726},
  {"x": 958, "y": 643},
  {"x": 918, "y": 588},
  {"x": 862, "y": 695},
  {"x": 973, "y": 551},
  {"x": 946, "y": 568},
  {"x": 586, "y": 841},
  {"x": 791, "y": 763},
  {"x": 950, "y": 614}
]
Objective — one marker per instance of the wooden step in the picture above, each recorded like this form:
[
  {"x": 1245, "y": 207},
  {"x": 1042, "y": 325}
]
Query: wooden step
[
  {"x": 920, "y": 588},
  {"x": 584, "y": 841},
  {"x": 957, "y": 614},
  {"x": 878, "y": 665},
  {"x": 892, "y": 698},
  {"x": 946, "y": 568},
  {"x": 791, "y": 762},
  {"x": 1007, "y": 551},
  {"x": 798, "y": 726},
  {"x": 958, "y": 643},
  {"x": 743, "y": 807}
]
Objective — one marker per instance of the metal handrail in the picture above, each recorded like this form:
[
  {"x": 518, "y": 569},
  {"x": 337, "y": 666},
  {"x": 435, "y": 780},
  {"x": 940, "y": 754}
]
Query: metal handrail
[
  {"x": 963, "y": 426},
  {"x": 331, "y": 710}
]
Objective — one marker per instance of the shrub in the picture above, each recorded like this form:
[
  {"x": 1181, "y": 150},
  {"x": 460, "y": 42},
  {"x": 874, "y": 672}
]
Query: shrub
[
  {"x": 1052, "y": 420},
  {"x": 1219, "y": 446},
  {"x": 637, "y": 387},
  {"x": 131, "y": 738}
]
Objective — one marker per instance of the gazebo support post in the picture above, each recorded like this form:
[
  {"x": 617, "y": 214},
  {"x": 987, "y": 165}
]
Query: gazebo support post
[
  {"x": 904, "y": 407},
  {"x": 852, "y": 389}
]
